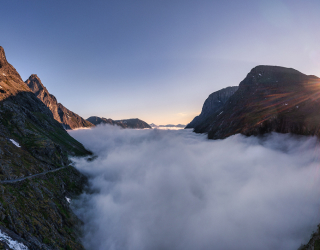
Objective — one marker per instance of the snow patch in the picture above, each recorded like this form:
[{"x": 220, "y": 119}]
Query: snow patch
[
  {"x": 68, "y": 199},
  {"x": 4, "y": 74},
  {"x": 12, "y": 243},
  {"x": 15, "y": 143},
  {"x": 260, "y": 74}
]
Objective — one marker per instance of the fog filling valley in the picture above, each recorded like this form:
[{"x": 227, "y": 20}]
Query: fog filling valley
[{"x": 164, "y": 189}]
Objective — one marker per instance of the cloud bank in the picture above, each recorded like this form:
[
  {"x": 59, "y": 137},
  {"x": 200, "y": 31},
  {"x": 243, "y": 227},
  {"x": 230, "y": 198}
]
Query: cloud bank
[{"x": 176, "y": 190}]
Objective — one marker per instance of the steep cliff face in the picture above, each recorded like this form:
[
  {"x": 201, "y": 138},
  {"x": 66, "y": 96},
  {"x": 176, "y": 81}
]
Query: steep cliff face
[
  {"x": 212, "y": 105},
  {"x": 32, "y": 142},
  {"x": 60, "y": 113},
  {"x": 127, "y": 123},
  {"x": 270, "y": 99}
]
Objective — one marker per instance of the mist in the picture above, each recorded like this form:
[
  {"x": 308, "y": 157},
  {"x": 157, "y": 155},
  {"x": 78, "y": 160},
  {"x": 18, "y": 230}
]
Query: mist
[{"x": 176, "y": 190}]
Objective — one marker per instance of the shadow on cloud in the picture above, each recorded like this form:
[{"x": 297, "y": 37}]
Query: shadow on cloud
[{"x": 162, "y": 189}]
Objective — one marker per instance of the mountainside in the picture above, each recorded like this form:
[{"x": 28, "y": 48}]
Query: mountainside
[
  {"x": 60, "y": 113},
  {"x": 212, "y": 104},
  {"x": 34, "y": 208},
  {"x": 127, "y": 123},
  {"x": 269, "y": 99}
]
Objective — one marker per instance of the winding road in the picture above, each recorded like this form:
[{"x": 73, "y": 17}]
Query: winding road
[{"x": 31, "y": 176}]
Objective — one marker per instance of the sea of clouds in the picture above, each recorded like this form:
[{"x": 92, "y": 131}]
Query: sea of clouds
[{"x": 176, "y": 190}]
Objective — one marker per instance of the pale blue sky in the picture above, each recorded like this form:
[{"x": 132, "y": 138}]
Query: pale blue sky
[{"x": 154, "y": 60}]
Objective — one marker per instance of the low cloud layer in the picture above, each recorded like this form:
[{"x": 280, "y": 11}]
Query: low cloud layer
[{"x": 176, "y": 190}]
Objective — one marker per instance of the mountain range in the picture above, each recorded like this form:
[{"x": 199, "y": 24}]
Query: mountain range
[
  {"x": 126, "y": 123},
  {"x": 71, "y": 120},
  {"x": 167, "y": 126}
]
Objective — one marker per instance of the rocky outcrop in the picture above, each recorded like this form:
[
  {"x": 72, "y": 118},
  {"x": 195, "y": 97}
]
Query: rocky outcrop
[
  {"x": 127, "y": 123},
  {"x": 60, "y": 113},
  {"x": 212, "y": 105},
  {"x": 32, "y": 142},
  {"x": 270, "y": 98}
]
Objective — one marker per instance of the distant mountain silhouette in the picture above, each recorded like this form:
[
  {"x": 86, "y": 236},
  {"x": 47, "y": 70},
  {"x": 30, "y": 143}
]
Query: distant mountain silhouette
[
  {"x": 167, "y": 126},
  {"x": 127, "y": 123},
  {"x": 60, "y": 113}
]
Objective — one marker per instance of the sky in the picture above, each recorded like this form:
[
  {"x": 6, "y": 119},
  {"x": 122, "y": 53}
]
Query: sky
[
  {"x": 154, "y": 60},
  {"x": 177, "y": 190}
]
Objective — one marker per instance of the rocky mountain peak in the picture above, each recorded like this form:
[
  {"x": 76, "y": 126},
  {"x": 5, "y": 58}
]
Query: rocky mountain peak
[
  {"x": 35, "y": 77},
  {"x": 271, "y": 75},
  {"x": 3, "y": 59},
  {"x": 273, "y": 70},
  {"x": 35, "y": 83},
  {"x": 6, "y": 68}
]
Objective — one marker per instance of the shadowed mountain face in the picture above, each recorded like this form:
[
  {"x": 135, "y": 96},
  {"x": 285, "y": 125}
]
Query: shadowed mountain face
[
  {"x": 32, "y": 142},
  {"x": 212, "y": 105},
  {"x": 60, "y": 113},
  {"x": 269, "y": 99},
  {"x": 127, "y": 123}
]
